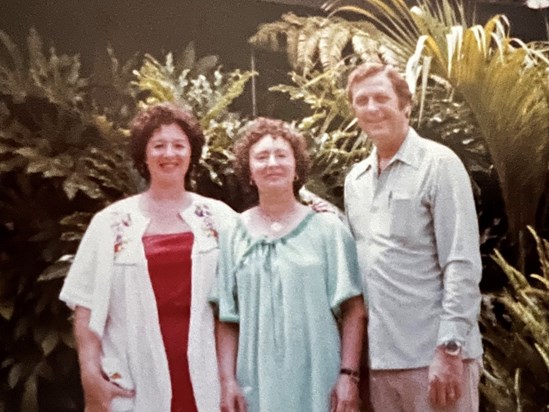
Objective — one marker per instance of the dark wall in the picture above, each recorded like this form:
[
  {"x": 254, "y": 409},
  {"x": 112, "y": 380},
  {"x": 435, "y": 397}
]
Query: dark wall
[{"x": 219, "y": 27}]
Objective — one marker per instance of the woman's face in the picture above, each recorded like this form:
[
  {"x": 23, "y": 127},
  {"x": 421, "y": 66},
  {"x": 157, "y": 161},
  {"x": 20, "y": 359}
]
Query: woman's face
[
  {"x": 168, "y": 153},
  {"x": 272, "y": 164}
]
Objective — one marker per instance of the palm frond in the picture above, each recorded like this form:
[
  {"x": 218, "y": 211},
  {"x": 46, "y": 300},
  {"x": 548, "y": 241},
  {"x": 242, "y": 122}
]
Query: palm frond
[{"x": 503, "y": 80}]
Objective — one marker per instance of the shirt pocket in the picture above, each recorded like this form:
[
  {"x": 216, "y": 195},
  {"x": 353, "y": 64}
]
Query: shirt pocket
[{"x": 402, "y": 214}]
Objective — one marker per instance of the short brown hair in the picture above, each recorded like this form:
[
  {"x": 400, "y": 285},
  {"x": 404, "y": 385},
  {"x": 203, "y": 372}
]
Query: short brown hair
[
  {"x": 149, "y": 120},
  {"x": 369, "y": 69},
  {"x": 252, "y": 133}
]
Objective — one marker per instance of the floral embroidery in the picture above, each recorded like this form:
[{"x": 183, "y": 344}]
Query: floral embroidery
[
  {"x": 208, "y": 224},
  {"x": 120, "y": 222}
]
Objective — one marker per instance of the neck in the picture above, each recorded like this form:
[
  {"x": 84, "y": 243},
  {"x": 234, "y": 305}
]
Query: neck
[
  {"x": 387, "y": 149},
  {"x": 168, "y": 192},
  {"x": 277, "y": 204}
]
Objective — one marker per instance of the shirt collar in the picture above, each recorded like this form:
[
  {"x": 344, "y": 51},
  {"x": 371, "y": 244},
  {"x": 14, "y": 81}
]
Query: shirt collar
[{"x": 408, "y": 153}]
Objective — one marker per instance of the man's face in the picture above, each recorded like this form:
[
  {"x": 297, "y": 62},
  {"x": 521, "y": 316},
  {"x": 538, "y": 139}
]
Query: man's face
[{"x": 378, "y": 112}]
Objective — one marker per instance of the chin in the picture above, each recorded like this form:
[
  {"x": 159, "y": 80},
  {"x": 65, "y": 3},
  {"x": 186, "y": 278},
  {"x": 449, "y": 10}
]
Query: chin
[{"x": 276, "y": 188}]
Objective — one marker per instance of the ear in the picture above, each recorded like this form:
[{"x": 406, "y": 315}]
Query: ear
[{"x": 408, "y": 111}]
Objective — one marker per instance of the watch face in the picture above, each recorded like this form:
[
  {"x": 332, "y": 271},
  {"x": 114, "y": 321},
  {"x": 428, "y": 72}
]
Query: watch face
[{"x": 452, "y": 348}]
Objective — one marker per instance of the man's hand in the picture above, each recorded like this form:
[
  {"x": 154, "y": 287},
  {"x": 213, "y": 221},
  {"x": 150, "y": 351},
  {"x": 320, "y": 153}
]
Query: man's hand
[{"x": 445, "y": 378}]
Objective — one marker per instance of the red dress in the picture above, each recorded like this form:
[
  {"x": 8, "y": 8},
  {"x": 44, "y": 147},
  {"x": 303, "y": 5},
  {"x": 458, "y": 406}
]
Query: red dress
[{"x": 169, "y": 263}]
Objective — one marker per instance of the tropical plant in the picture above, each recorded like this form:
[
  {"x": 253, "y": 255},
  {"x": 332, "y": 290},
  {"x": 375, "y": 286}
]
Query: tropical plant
[
  {"x": 209, "y": 95},
  {"x": 503, "y": 80},
  {"x": 62, "y": 158},
  {"x": 60, "y": 161},
  {"x": 320, "y": 42},
  {"x": 517, "y": 373}
]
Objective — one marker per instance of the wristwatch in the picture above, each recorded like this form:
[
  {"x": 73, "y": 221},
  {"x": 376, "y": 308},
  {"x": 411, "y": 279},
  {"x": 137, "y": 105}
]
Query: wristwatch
[{"x": 452, "y": 347}]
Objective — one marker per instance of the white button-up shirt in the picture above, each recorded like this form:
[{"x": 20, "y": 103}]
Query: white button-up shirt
[{"x": 418, "y": 247}]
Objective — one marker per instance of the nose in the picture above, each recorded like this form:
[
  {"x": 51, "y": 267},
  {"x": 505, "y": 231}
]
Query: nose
[
  {"x": 371, "y": 106},
  {"x": 272, "y": 161},
  {"x": 169, "y": 151}
]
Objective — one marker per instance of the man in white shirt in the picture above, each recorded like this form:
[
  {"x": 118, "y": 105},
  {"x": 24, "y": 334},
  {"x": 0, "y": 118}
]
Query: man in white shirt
[{"x": 411, "y": 210}]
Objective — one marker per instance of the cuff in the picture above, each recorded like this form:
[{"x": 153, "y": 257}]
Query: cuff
[{"x": 453, "y": 330}]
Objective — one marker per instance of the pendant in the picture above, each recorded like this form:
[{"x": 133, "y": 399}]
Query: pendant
[{"x": 276, "y": 226}]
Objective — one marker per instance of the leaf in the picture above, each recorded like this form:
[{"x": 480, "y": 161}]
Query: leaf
[
  {"x": 29, "y": 402},
  {"x": 49, "y": 343},
  {"x": 76, "y": 182},
  {"x": 68, "y": 339},
  {"x": 6, "y": 311},
  {"x": 15, "y": 375},
  {"x": 58, "y": 270}
]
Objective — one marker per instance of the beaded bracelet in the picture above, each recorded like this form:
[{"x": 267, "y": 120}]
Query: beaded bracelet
[{"x": 354, "y": 375}]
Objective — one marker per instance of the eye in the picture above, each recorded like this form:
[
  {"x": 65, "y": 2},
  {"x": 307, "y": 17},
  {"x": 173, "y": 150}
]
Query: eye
[
  {"x": 383, "y": 98},
  {"x": 361, "y": 100}
]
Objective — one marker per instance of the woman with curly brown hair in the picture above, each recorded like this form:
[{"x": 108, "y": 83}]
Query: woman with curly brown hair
[
  {"x": 139, "y": 281},
  {"x": 285, "y": 277}
]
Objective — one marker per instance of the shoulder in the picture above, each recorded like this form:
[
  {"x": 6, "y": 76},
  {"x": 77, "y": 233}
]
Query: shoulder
[
  {"x": 327, "y": 223},
  {"x": 126, "y": 205},
  {"x": 436, "y": 151},
  {"x": 358, "y": 168},
  {"x": 119, "y": 210},
  {"x": 215, "y": 207}
]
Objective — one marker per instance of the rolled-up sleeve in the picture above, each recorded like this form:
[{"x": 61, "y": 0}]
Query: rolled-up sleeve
[{"x": 457, "y": 242}]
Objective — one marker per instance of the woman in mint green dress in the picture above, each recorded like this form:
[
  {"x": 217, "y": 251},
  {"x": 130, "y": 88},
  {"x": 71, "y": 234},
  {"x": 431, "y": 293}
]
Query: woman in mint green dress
[{"x": 285, "y": 277}]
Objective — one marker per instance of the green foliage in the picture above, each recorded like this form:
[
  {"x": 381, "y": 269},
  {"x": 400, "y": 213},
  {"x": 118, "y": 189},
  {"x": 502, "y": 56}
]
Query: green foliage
[
  {"x": 308, "y": 41},
  {"x": 60, "y": 162},
  {"x": 503, "y": 80},
  {"x": 517, "y": 373},
  {"x": 336, "y": 144},
  {"x": 209, "y": 94},
  {"x": 489, "y": 80},
  {"x": 63, "y": 156}
]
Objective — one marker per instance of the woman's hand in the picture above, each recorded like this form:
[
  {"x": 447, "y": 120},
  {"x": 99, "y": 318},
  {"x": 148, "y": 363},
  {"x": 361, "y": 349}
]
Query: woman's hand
[
  {"x": 344, "y": 396},
  {"x": 99, "y": 393},
  {"x": 232, "y": 397}
]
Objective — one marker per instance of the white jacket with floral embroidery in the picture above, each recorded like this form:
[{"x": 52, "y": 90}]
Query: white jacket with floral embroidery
[{"x": 109, "y": 276}]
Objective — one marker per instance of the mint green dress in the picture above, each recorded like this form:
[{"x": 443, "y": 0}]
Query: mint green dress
[{"x": 285, "y": 294}]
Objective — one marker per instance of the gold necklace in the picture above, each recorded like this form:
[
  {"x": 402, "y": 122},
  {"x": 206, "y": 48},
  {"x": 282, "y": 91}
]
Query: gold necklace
[{"x": 276, "y": 225}]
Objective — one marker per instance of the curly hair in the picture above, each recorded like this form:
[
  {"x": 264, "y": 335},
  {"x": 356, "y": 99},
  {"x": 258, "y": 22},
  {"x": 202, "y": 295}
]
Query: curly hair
[
  {"x": 370, "y": 69},
  {"x": 255, "y": 131},
  {"x": 149, "y": 120}
]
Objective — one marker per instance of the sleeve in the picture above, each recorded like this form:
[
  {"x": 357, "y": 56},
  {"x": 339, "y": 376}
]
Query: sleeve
[
  {"x": 79, "y": 284},
  {"x": 457, "y": 242},
  {"x": 346, "y": 196},
  {"x": 225, "y": 216},
  {"x": 223, "y": 296},
  {"x": 344, "y": 280}
]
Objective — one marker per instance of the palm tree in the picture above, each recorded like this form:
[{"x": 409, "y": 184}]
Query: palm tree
[{"x": 504, "y": 81}]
